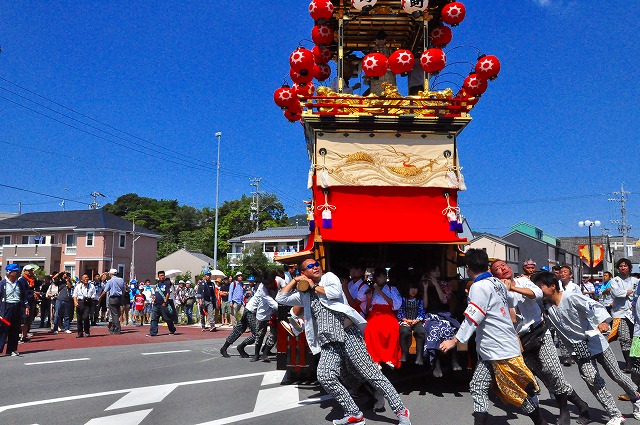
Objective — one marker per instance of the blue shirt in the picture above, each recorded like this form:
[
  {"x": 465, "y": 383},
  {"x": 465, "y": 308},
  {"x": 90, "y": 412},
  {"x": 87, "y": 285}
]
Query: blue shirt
[
  {"x": 236, "y": 292},
  {"x": 114, "y": 287}
]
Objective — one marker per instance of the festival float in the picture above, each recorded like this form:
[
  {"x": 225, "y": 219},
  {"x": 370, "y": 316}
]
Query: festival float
[{"x": 384, "y": 166}]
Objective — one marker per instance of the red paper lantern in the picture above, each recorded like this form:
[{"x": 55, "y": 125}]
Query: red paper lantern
[
  {"x": 401, "y": 61},
  {"x": 453, "y": 13},
  {"x": 374, "y": 65},
  {"x": 321, "y": 54},
  {"x": 433, "y": 60},
  {"x": 322, "y": 34},
  {"x": 301, "y": 59},
  {"x": 321, "y": 9},
  {"x": 322, "y": 72},
  {"x": 475, "y": 85},
  {"x": 440, "y": 36},
  {"x": 488, "y": 67},
  {"x": 299, "y": 78},
  {"x": 284, "y": 97},
  {"x": 305, "y": 90},
  {"x": 293, "y": 116}
]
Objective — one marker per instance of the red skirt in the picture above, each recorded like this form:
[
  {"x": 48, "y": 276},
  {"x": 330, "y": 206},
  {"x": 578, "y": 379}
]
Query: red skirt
[{"x": 382, "y": 335}]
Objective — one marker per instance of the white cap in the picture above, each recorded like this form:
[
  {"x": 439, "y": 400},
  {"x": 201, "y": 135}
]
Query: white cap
[
  {"x": 239, "y": 274},
  {"x": 29, "y": 267},
  {"x": 113, "y": 271}
]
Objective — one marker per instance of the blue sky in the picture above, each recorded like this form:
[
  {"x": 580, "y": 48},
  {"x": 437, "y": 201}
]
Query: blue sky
[{"x": 553, "y": 135}]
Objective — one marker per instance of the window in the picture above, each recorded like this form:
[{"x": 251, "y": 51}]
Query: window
[
  {"x": 5, "y": 240},
  {"x": 71, "y": 241},
  {"x": 89, "y": 239},
  {"x": 121, "y": 270},
  {"x": 70, "y": 268},
  {"x": 122, "y": 241},
  {"x": 538, "y": 233}
]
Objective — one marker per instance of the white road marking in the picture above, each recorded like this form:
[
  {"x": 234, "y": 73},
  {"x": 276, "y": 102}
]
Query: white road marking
[
  {"x": 58, "y": 361},
  {"x": 131, "y": 418},
  {"x": 274, "y": 377},
  {"x": 106, "y": 393},
  {"x": 271, "y": 400},
  {"x": 145, "y": 395},
  {"x": 165, "y": 352}
]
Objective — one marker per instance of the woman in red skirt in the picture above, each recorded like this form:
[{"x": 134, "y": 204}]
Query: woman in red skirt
[{"x": 382, "y": 335}]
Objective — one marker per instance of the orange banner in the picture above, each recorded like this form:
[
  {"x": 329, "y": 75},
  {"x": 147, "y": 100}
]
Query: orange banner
[{"x": 598, "y": 254}]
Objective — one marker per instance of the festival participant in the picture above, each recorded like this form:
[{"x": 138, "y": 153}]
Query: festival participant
[
  {"x": 13, "y": 299},
  {"x": 528, "y": 268},
  {"x": 575, "y": 316},
  {"x": 356, "y": 288},
  {"x": 605, "y": 291},
  {"x": 83, "y": 301},
  {"x": 500, "y": 361},
  {"x": 382, "y": 335},
  {"x": 333, "y": 329},
  {"x": 206, "y": 295},
  {"x": 236, "y": 298},
  {"x": 439, "y": 323},
  {"x": 162, "y": 306},
  {"x": 266, "y": 307},
  {"x": 33, "y": 294},
  {"x": 247, "y": 321},
  {"x": 410, "y": 316},
  {"x": 538, "y": 349},
  {"x": 114, "y": 288},
  {"x": 622, "y": 289},
  {"x": 138, "y": 306}
]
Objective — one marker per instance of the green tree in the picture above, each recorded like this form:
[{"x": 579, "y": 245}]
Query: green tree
[{"x": 254, "y": 262}]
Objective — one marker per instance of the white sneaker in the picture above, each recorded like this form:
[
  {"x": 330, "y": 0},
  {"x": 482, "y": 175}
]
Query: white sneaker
[
  {"x": 636, "y": 409},
  {"x": 350, "y": 420},
  {"x": 15, "y": 354},
  {"x": 403, "y": 417},
  {"x": 616, "y": 421},
  {"x": 67, "y": 331}
]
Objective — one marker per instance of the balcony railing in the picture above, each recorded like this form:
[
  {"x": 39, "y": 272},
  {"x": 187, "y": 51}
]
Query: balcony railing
[
  {"x": 70, "y": 250},
  {"x": 236, "y": 257}
]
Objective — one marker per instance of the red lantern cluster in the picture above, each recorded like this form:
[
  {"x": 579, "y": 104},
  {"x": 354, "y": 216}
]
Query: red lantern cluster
[{"x": 307, "y": 64}]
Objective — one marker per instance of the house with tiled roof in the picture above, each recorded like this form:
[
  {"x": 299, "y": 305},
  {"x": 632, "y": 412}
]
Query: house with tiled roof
[
  {"x": 186, "y": 260},
  {"x": 274, "y": 240},
  {"x": 83, "y": 241}
]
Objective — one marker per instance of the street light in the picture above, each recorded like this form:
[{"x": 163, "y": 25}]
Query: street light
[
  {"x": 215, "y": 236},
  {"x": 589, "y": 224}
]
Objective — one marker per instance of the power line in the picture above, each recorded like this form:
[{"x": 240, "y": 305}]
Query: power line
[
  {"x": 92, "y": 119},
  {"x": 44, "y": 194},
  {"x": 185, "y": 162}
]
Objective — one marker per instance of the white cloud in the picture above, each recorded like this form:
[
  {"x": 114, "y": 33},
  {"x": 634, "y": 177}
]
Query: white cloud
[{"x": 543, "y": 3}]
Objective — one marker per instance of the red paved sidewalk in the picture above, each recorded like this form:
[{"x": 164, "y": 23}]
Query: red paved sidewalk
[{"x": 100, "y": 337}]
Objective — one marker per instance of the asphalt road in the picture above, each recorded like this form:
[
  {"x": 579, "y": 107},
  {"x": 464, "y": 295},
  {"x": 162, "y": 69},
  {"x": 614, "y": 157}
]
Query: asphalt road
[{"x": 130, "y": 380}]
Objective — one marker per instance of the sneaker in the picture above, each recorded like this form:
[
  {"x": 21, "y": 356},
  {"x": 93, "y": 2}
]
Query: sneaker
[
  {"x": 636, "y": 409},
  {"x": 616, "y": 421},
  {"x": 68, "y": 331},
  {"x": 403, "y": 417},
  {"x": 380, "y": 402},
  {"x": 15, "y": 354},
  {"x": 357, "y": 419},
  {"x": 287, "y": 327}
]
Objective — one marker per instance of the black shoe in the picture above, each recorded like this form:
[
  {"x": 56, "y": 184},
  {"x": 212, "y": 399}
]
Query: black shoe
[
  {"x": 88, "y": 334},
  {"x": 223, "y": 350},
  {"x": 255, "y": 358},
  {"x": 243, "y": 354},
  {"x": 80, "y": 336}
]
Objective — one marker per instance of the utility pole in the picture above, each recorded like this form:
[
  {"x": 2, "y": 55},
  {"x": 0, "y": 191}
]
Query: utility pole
[
  {"x": 19, "y": 208},
  {"x": 94, "y": 205},
  {"x": 622, "y": 224},
  {"x": 215, "y": 231},
  {"x": 255, "y": 204},
  {"x": 133, "y": 251}
]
